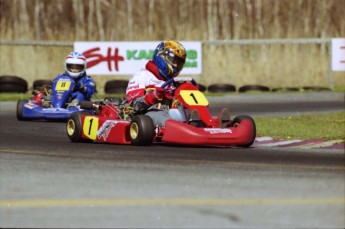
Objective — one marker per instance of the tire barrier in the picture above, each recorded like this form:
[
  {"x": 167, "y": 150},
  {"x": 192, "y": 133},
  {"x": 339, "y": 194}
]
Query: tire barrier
[
  {"x": 286, "y": 89},
  {"x": 115, "y": 86},
  {"x": 221, "y": 88},
  {"x": 313, "y": 88},
  {"x": 120, "y": 86},
  {"x": 201, "y": 87},
  {"x": 246, "y": 88},
  {"x": 13, "y": 84}
]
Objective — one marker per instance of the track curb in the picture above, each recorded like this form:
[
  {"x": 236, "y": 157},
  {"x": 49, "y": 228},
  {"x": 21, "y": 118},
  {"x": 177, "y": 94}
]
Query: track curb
[{"x": 261, "y": 142}]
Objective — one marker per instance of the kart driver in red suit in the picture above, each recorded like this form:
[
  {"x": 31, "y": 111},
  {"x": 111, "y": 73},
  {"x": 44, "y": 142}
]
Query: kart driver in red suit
[{"x": 144, "y": 91}]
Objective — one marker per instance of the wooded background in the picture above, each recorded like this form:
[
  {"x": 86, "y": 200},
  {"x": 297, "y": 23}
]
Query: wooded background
[{"x": 195, "y": 20}]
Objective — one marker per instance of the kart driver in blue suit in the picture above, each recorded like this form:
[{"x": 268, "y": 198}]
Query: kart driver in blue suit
[{"x": 75, "y": 66}]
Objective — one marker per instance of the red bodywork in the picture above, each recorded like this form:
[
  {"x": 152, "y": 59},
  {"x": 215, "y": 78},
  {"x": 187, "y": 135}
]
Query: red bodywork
[
  {"x": 116, "y": 132},
  {"x": 182, "y": 133},
  {"x": 111, "y": 129}
]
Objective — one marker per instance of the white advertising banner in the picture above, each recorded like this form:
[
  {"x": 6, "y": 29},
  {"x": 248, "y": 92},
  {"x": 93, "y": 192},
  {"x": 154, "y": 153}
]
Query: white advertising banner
[
  {"x": 338, "y": 54},
  {"x": 125, "y": 58}
]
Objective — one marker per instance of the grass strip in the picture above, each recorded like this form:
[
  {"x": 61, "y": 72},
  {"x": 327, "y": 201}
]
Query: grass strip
[{"x": 328, "y": 126}]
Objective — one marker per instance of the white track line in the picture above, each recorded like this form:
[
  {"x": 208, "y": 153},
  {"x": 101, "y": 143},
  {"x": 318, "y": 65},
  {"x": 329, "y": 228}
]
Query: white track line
[
  {"x": 262, "y": 139},
  {"x": 320, "y": 144},
  {"x": 278, "y": 143}
]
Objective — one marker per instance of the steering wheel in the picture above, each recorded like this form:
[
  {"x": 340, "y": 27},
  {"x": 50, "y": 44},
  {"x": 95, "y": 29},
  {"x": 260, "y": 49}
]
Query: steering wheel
[{"x": 176, "y": 83}]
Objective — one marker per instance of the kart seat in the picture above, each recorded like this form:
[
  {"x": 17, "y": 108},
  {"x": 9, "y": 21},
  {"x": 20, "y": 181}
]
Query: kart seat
[
  {"x": 194, "y": 119},
  {"x": 224, "y": 118}
]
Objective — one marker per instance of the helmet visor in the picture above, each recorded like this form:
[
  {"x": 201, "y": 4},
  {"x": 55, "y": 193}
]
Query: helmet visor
[
  {"x": 175, "y": 61},
  {"x": 75, "y": 68}
]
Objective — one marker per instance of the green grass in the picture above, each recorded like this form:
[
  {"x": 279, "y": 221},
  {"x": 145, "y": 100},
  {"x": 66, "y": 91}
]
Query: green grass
[
  {"x": 339, "y": 88},
  {"x": 328, "y": 126},
  {"x": 14, "y": 96}
]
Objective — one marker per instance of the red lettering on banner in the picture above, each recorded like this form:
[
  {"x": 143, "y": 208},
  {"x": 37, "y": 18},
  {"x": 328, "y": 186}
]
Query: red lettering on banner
[{"x": 93, "y": 53}]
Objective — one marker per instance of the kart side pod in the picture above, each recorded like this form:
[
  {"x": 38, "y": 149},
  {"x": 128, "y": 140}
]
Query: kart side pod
[{"x": 241, "y": 133}]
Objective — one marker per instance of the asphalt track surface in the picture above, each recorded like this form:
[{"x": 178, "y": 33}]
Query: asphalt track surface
[{"x": 47, "y": 181}]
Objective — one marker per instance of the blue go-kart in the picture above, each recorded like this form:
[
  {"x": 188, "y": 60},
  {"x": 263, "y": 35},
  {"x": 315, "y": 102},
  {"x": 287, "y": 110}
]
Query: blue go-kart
[{"x": 50, "y": 102}]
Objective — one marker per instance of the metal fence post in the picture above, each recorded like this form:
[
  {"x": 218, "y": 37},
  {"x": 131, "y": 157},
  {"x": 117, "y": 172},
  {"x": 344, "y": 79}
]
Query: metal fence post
[{"x": 330, "y": 72}]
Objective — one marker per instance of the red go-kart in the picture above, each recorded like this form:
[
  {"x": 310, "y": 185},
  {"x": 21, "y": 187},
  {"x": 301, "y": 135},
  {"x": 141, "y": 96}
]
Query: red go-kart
[{"x": 116, "y": 122}]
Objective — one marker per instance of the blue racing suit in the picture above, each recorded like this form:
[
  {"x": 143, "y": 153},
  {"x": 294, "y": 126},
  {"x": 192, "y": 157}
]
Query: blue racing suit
[{"x": 84, "y": 86}]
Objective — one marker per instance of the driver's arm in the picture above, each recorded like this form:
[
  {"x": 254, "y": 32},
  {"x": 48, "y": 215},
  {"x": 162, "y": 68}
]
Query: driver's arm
[
  {"x": 145, "y": 101},
  {"x": 89, "y": 87}
]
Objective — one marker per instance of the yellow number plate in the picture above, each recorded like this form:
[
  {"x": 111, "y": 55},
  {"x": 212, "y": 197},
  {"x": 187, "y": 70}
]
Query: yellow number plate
[
  {"x": 62, "y": 85},
  {"x": 90, "y": 127},
  {"x": 194, "y": 98}
]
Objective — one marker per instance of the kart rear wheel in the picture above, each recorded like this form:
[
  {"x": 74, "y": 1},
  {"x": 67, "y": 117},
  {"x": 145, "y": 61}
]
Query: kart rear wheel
[
  {"x": 141, "y": 130},
  {"x": 74, "y": 127},
  {"x": 88, "y": 105},
  {"x": 115, "y": 86},
  {"x": 237, "y": 121},
  {"x": 20, "y": 107},
  {"x": 39, "y": 83}
]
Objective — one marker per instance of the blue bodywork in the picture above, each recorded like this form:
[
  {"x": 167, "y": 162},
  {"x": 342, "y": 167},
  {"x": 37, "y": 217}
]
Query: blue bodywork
[
  {"x": 58, "y": 109},
  {"x": 33, "y": 111}
]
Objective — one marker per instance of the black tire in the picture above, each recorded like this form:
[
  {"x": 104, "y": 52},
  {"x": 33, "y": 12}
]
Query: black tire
[
  {"x": 39, "y": 83},
  {"x": 12, "y": 88},
  {"x": 20, "y": 107},
  {"x": 74, "y": 127},
  {"x": 221, "y": 88},
  {"x": 13, "y": 84},
  {"x": 283, "y": 89},
  {"x": 313, "y": 88},
  {"x": 116, "y": 86},
  {"x": 246, "y": 88},
  {"x": 88, "y": 105},
  {"x": 237, "y": 121},
  {"x": 201, "y": 87},
  {"x": 141, "y": 130},
  {"x": 13, "y": 80}
]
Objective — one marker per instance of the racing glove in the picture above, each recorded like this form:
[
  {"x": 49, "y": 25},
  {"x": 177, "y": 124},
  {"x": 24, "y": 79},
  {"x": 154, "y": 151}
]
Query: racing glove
[
  {"x": 156, "y": 95},
  {"x": 82, "y": 87}
]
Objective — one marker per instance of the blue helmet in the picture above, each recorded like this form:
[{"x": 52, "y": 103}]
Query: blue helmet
[{"x": 169, "y": 57}]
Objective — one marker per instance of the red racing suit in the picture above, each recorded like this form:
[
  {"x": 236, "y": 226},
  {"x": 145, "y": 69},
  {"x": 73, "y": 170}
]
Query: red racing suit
[{"x": 141, "y": 94}]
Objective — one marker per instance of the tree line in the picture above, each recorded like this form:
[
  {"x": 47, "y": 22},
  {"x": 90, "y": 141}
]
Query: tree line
[{"x": 136, "y": 20}]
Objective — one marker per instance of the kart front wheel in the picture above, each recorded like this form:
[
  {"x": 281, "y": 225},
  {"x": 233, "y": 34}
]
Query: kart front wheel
[
  {"x": 251, "y": 129},
  {"x": 74, "y": 127},
  {"x": 141, "y": 130},
  {"x": 20, "y": 108}
]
